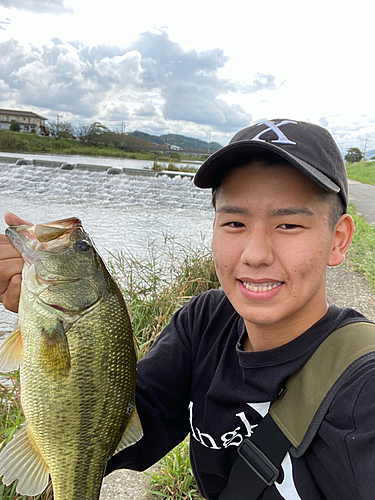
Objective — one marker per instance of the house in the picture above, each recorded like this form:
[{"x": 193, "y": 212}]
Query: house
[{"x": 28, "y": 121}]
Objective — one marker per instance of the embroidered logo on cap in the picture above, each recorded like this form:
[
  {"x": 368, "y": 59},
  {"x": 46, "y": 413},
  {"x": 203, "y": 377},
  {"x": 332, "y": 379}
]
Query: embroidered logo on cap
[{"x": 281, "y": 137}]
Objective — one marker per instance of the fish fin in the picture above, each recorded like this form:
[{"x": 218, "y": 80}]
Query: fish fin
[
  {"x": 19, "y": 459},
  {"x": 132, "y": 433},
  {"x": 11, "y": 352},
  {"x": 55, "y": 350}
]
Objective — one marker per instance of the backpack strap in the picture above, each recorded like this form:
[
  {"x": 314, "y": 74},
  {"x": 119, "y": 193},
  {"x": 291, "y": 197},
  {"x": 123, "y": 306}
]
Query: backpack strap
[
  {"x": 309, "y": 392},
  {"x": 312, "y": 389}
]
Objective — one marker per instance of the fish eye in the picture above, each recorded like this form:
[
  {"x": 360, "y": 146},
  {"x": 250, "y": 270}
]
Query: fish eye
[{"x": 83, "y": 246}]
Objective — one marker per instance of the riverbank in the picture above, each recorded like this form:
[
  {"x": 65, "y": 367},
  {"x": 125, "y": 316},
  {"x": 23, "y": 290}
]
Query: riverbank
[{"x": 16, "y": 142}]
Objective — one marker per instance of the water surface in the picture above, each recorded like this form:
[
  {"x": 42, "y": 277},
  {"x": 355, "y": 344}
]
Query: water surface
[{"x": 120, "y": 212}]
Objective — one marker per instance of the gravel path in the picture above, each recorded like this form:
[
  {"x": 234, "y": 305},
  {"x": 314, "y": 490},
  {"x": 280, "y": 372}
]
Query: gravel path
[{"x": 345, "y": 288}]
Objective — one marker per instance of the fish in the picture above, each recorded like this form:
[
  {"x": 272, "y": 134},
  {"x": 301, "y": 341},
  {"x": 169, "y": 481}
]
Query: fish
[{"x": 77, "y": 357}]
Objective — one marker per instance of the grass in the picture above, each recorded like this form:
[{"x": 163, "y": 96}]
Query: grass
[
  {"x": 361, "y": 253},
  {"x": 32, "y": 143},
  {"x": 156, "y": 286},
  {"x": 174, "y": 478},
  {"x": 363, "y": 171}
]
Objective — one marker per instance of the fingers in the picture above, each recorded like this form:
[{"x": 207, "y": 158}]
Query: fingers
[
  {"x": 11, "y": 264},
  {"x": 11, "y": 297}
]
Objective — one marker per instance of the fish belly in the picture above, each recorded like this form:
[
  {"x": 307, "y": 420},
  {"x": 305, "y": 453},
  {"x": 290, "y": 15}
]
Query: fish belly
[{"x": 76, "y": 417}]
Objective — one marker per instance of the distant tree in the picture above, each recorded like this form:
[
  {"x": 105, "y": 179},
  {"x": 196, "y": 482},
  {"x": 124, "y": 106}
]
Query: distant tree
[
  {"x": 353, "y": 155},
  {"x": 61, "y": 130},
  {"x": 15, "y": 126},
  {"x": 82, "y": 132},
  {"x": 93, "y": 134}
]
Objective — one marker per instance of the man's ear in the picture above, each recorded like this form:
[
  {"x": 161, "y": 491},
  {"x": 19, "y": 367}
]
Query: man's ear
[{"x": 342, "y": 237}]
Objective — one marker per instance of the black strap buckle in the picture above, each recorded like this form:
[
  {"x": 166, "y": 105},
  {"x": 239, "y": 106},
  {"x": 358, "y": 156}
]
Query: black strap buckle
[{"x": 258, "y": 462}]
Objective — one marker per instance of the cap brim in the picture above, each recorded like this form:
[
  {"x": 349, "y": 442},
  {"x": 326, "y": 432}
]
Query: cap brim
[{"x": 213, "y": 170}]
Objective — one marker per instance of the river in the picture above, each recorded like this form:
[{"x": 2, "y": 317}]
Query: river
[{"x": 120, "y": 212}]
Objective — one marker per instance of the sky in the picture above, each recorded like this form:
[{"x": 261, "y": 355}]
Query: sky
[{"x": 201, "y": 69}]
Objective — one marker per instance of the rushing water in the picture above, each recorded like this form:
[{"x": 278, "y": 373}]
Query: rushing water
[{"x": 120, "y": 212}]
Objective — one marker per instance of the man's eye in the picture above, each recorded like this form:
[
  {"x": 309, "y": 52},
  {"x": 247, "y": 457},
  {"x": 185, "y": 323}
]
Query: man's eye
[
  {"x": 288, "y": 226},
  {"x": 235, "y": 224}
]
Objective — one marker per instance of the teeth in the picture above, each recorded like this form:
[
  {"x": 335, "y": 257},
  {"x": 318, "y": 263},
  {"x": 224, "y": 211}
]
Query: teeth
[{"x": 261, "y": 287}]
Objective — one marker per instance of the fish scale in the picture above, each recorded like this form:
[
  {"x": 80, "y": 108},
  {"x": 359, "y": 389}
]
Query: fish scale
[{"x": 78, "y": 370}]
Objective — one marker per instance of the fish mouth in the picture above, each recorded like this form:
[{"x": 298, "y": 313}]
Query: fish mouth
[{"x": 51, "y": 237}]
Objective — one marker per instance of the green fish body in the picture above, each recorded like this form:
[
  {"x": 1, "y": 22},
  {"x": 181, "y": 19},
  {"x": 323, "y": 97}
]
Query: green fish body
[{"x": 77, "y": 359}]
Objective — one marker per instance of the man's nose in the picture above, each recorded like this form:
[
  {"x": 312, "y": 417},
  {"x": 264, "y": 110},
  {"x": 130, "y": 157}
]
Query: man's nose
[{"x": 258, "y": 248}]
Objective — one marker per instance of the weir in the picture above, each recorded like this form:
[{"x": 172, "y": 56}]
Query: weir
[{"x": 21, "y": 160}]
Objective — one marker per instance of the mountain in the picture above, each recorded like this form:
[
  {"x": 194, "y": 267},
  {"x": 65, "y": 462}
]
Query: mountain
[
  {"x": 370, "y": 154},
  {"x": 181, "y": 141}
]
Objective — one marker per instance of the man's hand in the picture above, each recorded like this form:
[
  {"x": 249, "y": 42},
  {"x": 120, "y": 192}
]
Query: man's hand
[{"x": 11, "y": 264}]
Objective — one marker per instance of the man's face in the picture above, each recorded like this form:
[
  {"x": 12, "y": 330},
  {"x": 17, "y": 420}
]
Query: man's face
[{"x": 271, "y": 245}]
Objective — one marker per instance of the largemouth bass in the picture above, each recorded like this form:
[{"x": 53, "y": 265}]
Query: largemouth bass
[{"x": 77, "y": 359}]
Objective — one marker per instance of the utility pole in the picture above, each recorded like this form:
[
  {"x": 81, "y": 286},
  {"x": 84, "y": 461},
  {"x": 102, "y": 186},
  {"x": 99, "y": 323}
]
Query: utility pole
[
  {"x": 364, "y": 152},
  {"x": 58, "y": 126},
  {"x": 209, "y": 143}
]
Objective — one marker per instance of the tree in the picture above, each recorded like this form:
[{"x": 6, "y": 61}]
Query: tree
[
  {"x": 61, "y": 130},
  {"x": 15, "y": 126},
  {"x": 353, "y": 155},
  {"x": 93, "y": 134}
]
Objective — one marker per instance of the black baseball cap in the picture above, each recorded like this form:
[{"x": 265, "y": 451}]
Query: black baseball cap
[{"x": 308, "y": 147}]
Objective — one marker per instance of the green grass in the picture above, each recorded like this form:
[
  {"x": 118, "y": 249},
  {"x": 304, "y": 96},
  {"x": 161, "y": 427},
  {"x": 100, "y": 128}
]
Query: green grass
[
  {"x": 361, "y": 253},
  {"x": 18, "y": 142},
  {"x": 363, "y": 171},
  {"x": 174, "y": 479},
  {"x": 155, "y": 287}
]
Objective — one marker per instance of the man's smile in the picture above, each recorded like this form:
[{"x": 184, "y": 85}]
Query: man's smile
[{"x": 260, "y": 286}]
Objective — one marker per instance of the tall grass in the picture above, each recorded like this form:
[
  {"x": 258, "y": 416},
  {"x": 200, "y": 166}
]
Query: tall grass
[
  {"x": 361, "y": 253},
  {"x": 156, "y": 286},
  {"x": 174, "y": 478}
]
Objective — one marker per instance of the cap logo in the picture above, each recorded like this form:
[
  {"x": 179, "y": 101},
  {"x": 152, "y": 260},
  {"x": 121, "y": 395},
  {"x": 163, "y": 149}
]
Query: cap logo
[{"x": 281, "y": 137}]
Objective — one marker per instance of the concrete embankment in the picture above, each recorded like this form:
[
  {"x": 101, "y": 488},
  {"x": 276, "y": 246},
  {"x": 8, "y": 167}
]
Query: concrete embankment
[{"x": 92, "y": 167}]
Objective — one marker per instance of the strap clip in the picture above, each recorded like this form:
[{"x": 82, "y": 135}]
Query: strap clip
[{"x": 258, "y": 462}]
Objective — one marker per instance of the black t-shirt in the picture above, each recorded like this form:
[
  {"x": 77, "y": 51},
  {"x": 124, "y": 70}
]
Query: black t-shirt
[{"x": 197, "y": 379}]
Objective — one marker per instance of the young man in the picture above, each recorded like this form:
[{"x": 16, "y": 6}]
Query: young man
[{"x": 280, "y": 195}]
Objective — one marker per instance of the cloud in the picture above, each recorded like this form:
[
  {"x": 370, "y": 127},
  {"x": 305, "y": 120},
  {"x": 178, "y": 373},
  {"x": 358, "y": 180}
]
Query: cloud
[
  {"x": 147, "y": 110},
  {"x": 5, "y": 23},
  {"x": 38, "y": 6},
  {"x": 152, "y": 79}
]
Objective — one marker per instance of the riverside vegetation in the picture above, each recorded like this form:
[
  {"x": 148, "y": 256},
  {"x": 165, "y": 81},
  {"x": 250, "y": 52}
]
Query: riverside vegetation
[{"x": 98, "y": 146}]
